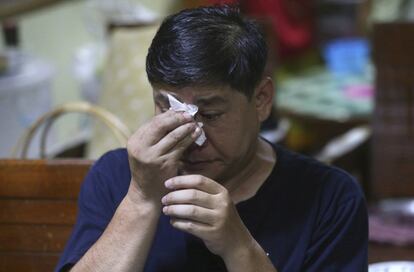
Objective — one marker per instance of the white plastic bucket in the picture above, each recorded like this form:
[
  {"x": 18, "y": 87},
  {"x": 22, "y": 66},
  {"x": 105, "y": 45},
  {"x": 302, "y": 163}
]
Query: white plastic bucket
[{"x": 25, "y": 94}]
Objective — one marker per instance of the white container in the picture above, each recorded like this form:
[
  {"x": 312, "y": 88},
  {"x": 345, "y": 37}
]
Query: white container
[{"x": 25, "y": 94}]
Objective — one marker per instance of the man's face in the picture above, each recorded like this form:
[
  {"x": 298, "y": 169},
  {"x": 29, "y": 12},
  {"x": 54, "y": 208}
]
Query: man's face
[{"x": 231, "y": 125}]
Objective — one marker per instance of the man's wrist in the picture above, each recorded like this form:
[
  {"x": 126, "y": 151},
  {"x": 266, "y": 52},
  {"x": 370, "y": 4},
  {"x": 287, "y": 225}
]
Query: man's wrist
[
  {"x": 242, "y": 251},
  {"x": 249, "y": 257},
  {"x": 136, "y": 197}
]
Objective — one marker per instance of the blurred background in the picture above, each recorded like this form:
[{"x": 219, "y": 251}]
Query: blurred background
[{"x": 343, "y": 73}]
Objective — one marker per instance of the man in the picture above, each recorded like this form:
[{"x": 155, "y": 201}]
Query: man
[{"x": 233, "y": 203}]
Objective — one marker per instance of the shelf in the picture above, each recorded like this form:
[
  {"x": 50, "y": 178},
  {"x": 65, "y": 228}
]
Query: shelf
[{"x": 10, "y": 8}]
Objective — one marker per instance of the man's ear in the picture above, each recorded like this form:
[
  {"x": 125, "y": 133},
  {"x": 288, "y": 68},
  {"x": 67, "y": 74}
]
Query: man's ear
[{"x": 263, "y": 96}]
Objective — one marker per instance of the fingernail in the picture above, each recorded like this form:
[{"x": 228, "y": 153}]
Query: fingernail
[
  {"x": 192, "y": 126},
  {"x": 167, "y": 184},
  {"x": 164, "y": 210},
  {"x": 196, "y": 132},
  {"x": 163, "y": 200},
  {"x": 187, "y": 116}
]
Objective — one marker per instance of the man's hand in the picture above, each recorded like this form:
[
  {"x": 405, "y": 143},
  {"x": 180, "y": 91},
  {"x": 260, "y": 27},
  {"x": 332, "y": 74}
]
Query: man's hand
[
  {"x": 203, "y": 207},
  {"x": 155, "y": 149}
]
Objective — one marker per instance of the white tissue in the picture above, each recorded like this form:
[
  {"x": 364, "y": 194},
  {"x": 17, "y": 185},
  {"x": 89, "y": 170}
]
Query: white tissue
[{"x": 176, "y": 105}]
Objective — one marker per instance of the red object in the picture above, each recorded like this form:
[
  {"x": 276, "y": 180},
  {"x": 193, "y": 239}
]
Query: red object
[{"x": 291, "y": 22}]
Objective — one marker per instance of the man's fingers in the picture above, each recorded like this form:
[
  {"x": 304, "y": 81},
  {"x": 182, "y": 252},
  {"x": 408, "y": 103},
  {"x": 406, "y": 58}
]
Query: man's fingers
[
  {"x": 195, "y": 228},
  {"x": 180, "y": 137},
  {"x": 160, "y": 125},
  {"x": 194, "y": 182},
  {"x": 178, "y": 150},
  {"x": 188, "y": 196},
  {"x": 190, "y": 212}
]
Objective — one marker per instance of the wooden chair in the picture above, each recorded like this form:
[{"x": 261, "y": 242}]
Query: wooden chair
[{"x": 38, "y": 207}]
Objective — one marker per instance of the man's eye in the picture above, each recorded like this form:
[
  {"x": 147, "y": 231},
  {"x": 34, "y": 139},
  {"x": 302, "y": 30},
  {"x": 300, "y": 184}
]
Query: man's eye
[{"x": 210, "y": 116}]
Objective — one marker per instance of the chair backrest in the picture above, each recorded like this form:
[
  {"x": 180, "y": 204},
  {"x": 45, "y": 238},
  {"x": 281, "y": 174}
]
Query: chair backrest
[
  {"x": 38, "y": 206},
  {"x": 393, "y": 123}
]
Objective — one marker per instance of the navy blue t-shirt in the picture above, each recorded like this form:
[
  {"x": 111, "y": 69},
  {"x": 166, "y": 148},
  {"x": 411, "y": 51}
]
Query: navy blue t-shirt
[{"x": 306, "y": 216}]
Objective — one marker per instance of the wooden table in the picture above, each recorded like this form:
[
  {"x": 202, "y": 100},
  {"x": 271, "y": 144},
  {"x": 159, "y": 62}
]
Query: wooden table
[{"x": 382, "y": 253}]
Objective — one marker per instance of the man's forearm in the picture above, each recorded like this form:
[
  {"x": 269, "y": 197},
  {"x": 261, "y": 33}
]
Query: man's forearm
[
  {"x": 125, "y": 243},
  {"x": 249, "y": 259}
]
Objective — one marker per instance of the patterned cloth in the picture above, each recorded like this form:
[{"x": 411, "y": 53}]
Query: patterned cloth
[
  {"x": 126, "y": 91},
  {"x": 391, "y": 228}
]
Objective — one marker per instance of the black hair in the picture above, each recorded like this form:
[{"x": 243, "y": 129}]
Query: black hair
[{"x": 207, "y": 46}]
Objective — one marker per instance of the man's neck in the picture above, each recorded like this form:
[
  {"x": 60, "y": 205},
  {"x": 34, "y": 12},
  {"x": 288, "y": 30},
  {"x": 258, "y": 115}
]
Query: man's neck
[{"x": 249, "y": 180}]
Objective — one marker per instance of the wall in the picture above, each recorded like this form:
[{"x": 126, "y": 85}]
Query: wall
[{"x": 54, "y": 34}]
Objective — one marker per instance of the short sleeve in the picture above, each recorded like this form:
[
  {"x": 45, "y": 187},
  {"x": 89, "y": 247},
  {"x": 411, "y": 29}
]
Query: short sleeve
[
  {"x": 340, "y": 239},
  {"x": 96, "y": 207}
]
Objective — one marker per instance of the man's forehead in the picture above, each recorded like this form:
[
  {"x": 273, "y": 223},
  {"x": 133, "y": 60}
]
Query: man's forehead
[{"x": 205, "y": 97}]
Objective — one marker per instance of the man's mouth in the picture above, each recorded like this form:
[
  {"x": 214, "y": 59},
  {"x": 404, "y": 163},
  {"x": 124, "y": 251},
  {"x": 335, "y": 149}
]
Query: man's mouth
[
  {"x": 196, "y": 162},
  {"x": 193, "y": 162}
]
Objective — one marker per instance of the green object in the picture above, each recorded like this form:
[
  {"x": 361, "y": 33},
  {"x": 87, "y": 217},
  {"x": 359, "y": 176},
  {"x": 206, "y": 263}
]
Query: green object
[{"x": 321, "y": 94}]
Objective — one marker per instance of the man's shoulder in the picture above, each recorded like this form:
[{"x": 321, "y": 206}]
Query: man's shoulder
[
  {"x": 117, "y": 156},
  {"x": 112, "y": 162},
  {"x": 109, "y": 175},
  {"x": 307, "y": 172}
]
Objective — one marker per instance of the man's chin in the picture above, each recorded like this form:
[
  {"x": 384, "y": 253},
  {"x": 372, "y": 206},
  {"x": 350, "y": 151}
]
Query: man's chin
[
  {"x": 204, "y": 169},
  {"x": 187, "y": 171}
]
